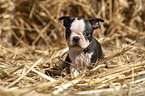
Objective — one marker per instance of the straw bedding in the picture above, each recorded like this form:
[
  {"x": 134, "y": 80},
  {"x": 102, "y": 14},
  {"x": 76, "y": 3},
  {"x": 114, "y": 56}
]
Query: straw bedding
[{"x": 32, "y": 41}]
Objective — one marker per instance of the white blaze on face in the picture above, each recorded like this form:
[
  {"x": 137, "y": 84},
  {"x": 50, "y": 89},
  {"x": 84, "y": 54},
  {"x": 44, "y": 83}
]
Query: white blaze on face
[{"x": 77, "y": 28}]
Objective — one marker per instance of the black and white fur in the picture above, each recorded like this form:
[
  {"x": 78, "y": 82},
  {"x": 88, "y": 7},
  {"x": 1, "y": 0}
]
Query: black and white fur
[{"x": 84, "y": 49}]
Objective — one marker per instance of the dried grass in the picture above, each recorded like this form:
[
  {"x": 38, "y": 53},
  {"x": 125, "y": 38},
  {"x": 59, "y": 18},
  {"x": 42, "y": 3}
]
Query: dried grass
[{"x": 32, "y": 38}]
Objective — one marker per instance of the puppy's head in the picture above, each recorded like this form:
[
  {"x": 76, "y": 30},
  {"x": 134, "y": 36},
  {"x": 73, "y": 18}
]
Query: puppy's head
[{"x": 79, "y": 31}]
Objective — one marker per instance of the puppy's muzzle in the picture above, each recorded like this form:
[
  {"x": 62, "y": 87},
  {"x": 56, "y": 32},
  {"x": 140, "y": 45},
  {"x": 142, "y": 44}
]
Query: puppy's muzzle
[{"x": 76, "y": 39}]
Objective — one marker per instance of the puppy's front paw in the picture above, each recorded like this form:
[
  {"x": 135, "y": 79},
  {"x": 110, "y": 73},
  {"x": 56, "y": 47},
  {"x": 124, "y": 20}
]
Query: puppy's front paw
[{"x": 74, "y": 72}]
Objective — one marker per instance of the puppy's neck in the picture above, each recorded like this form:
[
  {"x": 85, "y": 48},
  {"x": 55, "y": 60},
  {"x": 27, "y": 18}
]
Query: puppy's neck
[{"x": 75, "y": 52}]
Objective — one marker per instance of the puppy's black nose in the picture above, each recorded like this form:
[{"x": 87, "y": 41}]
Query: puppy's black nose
[{"x": 76, "y": 39}]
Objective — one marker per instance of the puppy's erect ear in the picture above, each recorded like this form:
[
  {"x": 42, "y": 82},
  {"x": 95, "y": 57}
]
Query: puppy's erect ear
[
  {"x": 95, "y": 22},
  {"x": 66, "y": 20}
]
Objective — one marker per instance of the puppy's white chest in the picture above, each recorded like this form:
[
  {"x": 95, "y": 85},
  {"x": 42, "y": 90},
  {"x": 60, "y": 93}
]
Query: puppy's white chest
[{"x": 80, "y": 59}]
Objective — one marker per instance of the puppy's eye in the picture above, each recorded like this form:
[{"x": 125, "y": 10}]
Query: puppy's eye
[{"x": 87, "y": 34}]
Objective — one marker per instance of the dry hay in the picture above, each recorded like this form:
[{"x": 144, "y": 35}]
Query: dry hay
[{"x": 32, "y": 38}]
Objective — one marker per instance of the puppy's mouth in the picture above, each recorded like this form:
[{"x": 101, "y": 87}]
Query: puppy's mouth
[{"x": 75, "y": 46}]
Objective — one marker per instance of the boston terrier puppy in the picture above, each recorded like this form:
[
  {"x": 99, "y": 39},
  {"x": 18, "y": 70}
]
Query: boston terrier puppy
[{"x": 84, "y": 49}]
